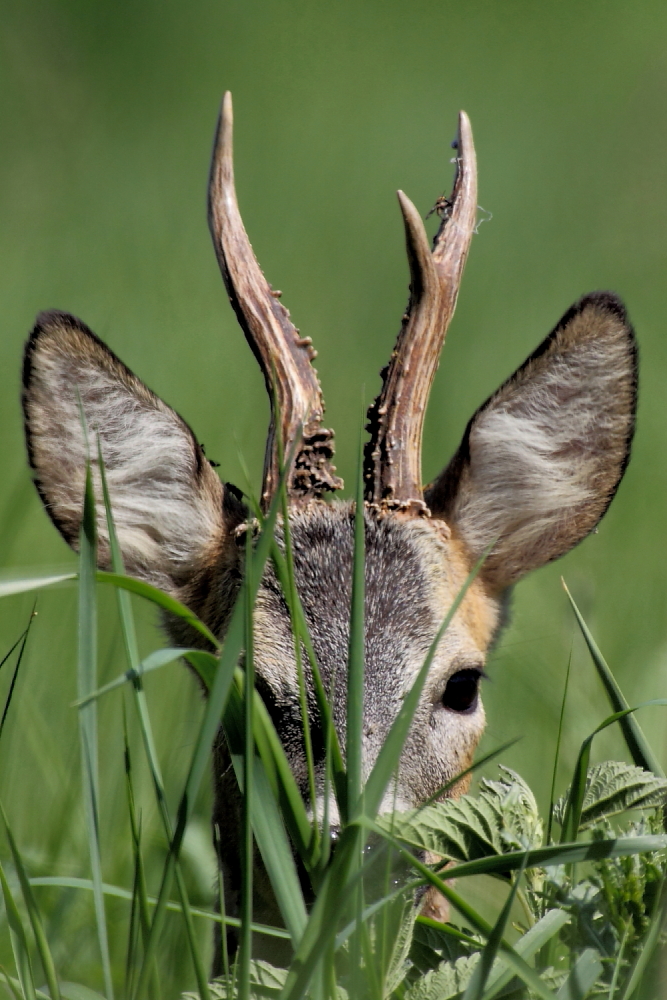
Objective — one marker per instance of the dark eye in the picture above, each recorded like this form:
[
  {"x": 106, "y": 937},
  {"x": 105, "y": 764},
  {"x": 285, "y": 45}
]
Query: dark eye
[{"x": 462, "y": 690}]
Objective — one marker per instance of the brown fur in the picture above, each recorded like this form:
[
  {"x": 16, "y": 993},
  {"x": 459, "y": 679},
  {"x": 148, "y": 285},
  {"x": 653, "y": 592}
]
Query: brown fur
[{"x": 570, "y": 408}]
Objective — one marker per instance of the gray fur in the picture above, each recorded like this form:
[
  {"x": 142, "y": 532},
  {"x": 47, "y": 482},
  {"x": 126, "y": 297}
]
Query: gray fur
[{"x": 536, "y": 469}]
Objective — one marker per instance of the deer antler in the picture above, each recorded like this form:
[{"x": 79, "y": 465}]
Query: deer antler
[
  {"x": 284, "y": 356},
  {"x": 392, "y": 458}
]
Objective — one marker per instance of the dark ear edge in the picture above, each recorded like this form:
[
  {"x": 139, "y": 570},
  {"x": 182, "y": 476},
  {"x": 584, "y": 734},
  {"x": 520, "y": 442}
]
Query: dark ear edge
[{"x": 441, "y": 495}]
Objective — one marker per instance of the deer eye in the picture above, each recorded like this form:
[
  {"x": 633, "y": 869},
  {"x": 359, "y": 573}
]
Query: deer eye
[{"x": 462, "y": 690}]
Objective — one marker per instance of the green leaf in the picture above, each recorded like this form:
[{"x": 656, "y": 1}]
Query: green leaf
[
  {"x": 265, "y": 981},
  {"x": 396, "y": 957},
  {"x": 132, "y": 652},
  {"x": 33, "y": 914},
  {"x": 12, "y": 584},
  {"x": 157, "y": 659},
  {"x": 86, "y": 684},
  {"x": 503, "y": 817},
  {"x": 158, "y": 597},
  {"x": 521, "y": 968},
  {"x": 613, "y": 787},
  {"x": 572, "y": 814},
  {"x": 19, "y": 941},
  {"x": 528, "y": 945},
  {"x": 586, "y": 971},
  {"x": 561, "y": 854},
  {"x": 433, "y": 943},
  {"x": 71, "y": 882},
  {"x": 75, "y": 991},
  {"x": 447, "y": 981},
  {"x": 266, "y": 817},
  {"x": 637, "y": 744},
  {"x": 480, "y": 976},
  {"x": 209, "y": 727}
]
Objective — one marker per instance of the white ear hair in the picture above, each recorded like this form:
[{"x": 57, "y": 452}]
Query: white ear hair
[
  {"x": 166, "y": 500},
  {"x": 541, "y": 460}
]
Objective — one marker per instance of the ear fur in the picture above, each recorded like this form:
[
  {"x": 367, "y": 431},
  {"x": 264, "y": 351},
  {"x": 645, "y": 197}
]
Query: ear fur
[
  {"x": 541, "y": 459},
  {"x": 166, "y": 500}
]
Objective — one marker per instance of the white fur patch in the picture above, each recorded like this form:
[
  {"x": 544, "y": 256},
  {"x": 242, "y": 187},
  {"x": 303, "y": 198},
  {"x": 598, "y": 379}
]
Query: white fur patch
[{"x": 546, "y": 453}]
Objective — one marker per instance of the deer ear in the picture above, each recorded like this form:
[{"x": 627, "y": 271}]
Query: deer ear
[
  {"x": 166, "y": 499},
  {"x": 541, "y": 460}
]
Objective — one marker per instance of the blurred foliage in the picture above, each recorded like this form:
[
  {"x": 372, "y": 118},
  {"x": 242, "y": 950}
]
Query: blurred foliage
[{"x": 106, "y": 114}]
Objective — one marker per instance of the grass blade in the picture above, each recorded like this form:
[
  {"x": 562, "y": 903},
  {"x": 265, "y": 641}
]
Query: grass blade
[
  {"x": 572, "y": 817},
  {"x": 330, "y": 736},
  {"x": 19, "y": 941},
  {"x": 118, "y": 892},
  {"x": 267, "y": 820},
  {"x": 482, "y": 971},
  {"x": 139, "y": 893},
  {"x": 332, "y": 900},
  {"x": 532, "y": 941},
  {"x": 583, "y": 976},
  {"x": 215, "y": 707},
  {"x": 648, "y": 948},
  {"x": 10, "y": 584},
  {"x": 160, "y": 658},
  {"x": 247, "y": 766},
  {"x": 132, "y": 652},
  {"x": 22, "y": 639},
  {"x": 164, "y": 601},
  {"x": 290, "y": 594},
  {"x": 637, "y": 744},
  {"x": 554, "y": 774},
  {"x": 549, "y": 857},
  {"x": 87, "y": 682},
  {"x": 33, "y": 914},
  {"x": 477, "y": 922}
]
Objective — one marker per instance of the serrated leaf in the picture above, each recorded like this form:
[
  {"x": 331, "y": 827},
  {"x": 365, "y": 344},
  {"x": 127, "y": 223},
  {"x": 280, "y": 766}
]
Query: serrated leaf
[
  {"x": 612, "y": 787},
  {"x": 503, "y": 817},
  {"x": 447, "y": 981},
  {"x": 266, "y": 981},
  {"x": 433, "y": 943},
  {"x": 395, "y": 957}
]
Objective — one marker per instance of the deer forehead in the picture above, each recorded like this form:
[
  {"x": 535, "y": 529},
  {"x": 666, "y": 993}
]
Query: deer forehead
[{"x": 414, "y": 571}]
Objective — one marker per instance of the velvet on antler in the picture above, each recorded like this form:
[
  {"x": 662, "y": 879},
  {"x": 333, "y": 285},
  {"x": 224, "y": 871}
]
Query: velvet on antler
[
  {"x": 284, "y": 356},
  {"x": 392, "y": 465}
]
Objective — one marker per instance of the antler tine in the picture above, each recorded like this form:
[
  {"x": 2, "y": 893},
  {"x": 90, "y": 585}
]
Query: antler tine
[
  {"x": 392, "y": 465},
  {"x": 284, "y": 356}
]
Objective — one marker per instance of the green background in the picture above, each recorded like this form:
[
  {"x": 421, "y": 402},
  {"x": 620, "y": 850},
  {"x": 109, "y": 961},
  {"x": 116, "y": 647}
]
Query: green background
[{"x": 107, "y": 111}]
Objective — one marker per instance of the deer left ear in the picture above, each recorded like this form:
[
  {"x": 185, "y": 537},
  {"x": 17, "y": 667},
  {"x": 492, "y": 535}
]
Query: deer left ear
[
  {"x": 170, "y": 508},
  {"x": 542, "y": 458}
]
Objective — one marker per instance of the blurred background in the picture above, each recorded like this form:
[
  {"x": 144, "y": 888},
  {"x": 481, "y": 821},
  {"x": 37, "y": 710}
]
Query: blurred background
[{"x": 107, "y": 113}]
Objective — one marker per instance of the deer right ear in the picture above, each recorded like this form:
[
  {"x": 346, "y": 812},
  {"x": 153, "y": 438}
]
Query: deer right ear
[
  {"x": 166, "y": 499},
  {"x": 541, "y": 460}
]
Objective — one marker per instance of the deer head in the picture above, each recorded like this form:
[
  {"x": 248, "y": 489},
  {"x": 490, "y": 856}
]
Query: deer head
[{"x": 538, "y": 465}]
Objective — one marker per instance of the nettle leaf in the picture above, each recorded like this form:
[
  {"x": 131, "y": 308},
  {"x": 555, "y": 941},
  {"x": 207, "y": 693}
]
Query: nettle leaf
[
  {"x": 265, "y": 981},
  {"x": 613, "y": 787},
  {"x": 431, "y": 946},
  {"x": 397, "y": 955},
  {"x": 448, "y": 980},
  {"x": 502, "y": 818}
]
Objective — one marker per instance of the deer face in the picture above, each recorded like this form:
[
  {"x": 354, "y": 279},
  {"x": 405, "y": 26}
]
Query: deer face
[{"x": 537, "y": 467}]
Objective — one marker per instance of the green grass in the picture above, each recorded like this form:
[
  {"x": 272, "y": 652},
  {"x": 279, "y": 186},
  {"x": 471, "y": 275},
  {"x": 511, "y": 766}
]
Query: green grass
[
  {"x": 592, "y": 916},
  {"x": 107, "y": 123}
]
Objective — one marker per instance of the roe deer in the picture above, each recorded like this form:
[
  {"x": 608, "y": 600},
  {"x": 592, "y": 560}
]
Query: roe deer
[{"x": 538, "y": 465}]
